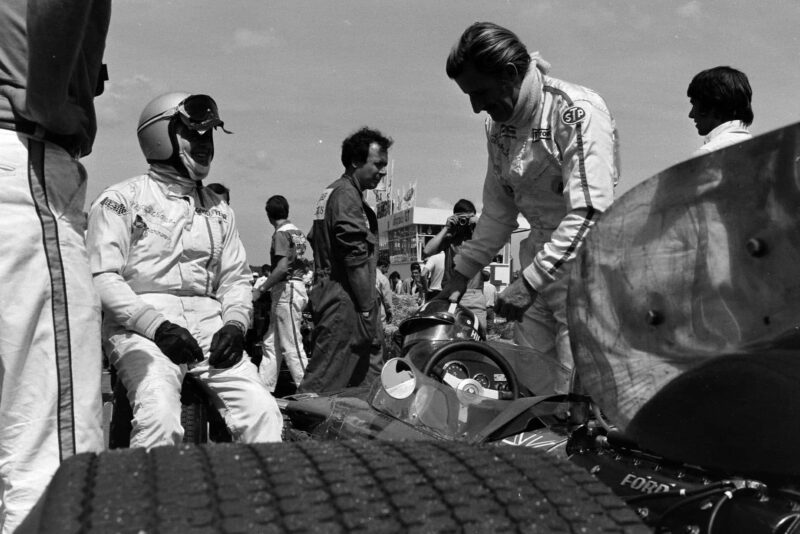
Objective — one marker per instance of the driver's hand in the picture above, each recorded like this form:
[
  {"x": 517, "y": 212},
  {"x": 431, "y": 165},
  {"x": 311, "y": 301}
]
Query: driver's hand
[
  {"x": 227, "y": 347},
  {"x": 177, "y": 343},
  {"x": 514, "y": 300},
  {"x": 454, "y": 289}
]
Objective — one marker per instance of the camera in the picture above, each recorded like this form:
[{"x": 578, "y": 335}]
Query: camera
[{"x": 463, "y": 220}]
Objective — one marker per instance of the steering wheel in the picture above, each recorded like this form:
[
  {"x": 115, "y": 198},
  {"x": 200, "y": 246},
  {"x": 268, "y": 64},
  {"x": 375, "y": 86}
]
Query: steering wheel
[{"x": 434, "y": 369}]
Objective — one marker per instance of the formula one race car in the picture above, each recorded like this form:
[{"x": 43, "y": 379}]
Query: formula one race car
[
  {"x": 684, "y": 319},
  {"x": 450, "y": 387},
  {"x": 683, "y": 313}
]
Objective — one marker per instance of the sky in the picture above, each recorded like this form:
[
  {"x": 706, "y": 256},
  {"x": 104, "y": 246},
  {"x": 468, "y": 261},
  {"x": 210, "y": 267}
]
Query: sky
[{"x": 293, "y": 78}]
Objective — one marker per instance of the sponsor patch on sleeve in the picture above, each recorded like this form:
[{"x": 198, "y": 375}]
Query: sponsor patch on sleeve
[
  {"x": 573, "y": 115},
  {"x": 116, "y": 207},
  {"x": 319, "y": 210}
]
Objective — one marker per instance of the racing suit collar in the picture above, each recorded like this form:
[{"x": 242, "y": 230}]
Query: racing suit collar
[
  {"x": 735, "y": 126},
  {"x": 172, "y": 180},
  {"x": 530, "y": 91}
]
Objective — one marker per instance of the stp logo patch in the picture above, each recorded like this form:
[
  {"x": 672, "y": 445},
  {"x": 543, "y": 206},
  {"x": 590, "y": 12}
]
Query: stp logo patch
[{"x": 573, "y": 115}]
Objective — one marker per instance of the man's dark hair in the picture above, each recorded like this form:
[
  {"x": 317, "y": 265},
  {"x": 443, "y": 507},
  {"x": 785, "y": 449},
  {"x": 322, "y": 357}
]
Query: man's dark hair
[
  {"x": 489, "y": 48},
  {"x": 355, "y": 148},
  {"x": 415, "y": 266},
  {"x": 277, "y": 208},
  {"x": 724, "y": 90},
  {"x": 221, "y": 190},
  {"x": 394, "y": 275},
  {"x": 464, "y": 206},
  {"x": 383, "y": 263}
]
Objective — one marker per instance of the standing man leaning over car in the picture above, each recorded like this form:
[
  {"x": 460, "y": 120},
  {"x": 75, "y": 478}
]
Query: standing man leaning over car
[
  {"x": 552, "y": 157},
  {"x": 344, "y": 237},
  {"x": 173, "y": 278},
  {"x": 50, "y": 359},
  {"x": 720, "y": 100}
]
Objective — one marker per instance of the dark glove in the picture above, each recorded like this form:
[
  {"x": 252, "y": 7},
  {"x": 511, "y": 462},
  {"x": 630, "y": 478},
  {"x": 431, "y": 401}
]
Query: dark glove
[
  {"x": 227, "y": 346},
  {"x": 177, "y": 343},
  {"x": 454, "y": 289}
]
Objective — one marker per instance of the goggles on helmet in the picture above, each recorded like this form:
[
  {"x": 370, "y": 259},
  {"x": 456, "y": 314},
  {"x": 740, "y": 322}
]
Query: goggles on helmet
[{"x": 197, "y": 112}]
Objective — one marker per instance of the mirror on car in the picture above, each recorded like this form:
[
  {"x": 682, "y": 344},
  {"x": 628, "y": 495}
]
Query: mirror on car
[{"x": 398, "y": 378}]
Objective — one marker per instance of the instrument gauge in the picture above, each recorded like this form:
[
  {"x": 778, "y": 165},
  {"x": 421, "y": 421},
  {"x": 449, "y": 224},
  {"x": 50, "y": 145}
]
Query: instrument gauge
[
  {"x": 482, "y": 379},
  {"x": 457, "y": 369}
]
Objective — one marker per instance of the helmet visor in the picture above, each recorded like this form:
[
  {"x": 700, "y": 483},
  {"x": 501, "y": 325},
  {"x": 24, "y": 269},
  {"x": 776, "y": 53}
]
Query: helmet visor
[{"x": 200, "y": 113}]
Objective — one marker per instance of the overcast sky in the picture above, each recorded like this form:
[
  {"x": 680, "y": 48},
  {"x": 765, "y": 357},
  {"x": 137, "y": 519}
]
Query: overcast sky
[{"x": 293, "y": 78}]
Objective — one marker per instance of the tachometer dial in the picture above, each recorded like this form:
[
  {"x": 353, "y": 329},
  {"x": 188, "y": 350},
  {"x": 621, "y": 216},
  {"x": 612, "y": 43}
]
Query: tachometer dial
[
  {"x": 457, "y": 369},
  {"x": 482, "y": 379}
]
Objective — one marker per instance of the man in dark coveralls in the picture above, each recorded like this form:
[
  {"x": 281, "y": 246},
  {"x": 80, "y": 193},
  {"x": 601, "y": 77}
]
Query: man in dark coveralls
[{"x": 344, "y": 239}]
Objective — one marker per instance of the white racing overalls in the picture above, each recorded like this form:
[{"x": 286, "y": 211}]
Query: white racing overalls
[
  {"x": 162, "y": 248},
  {"x": 555, "y": 162},
  {"x": 50, "y": 357}
]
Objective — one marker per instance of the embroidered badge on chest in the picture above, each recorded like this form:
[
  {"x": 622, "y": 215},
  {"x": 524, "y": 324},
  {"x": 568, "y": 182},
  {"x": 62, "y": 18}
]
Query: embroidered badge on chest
[
  {"x": 116, "y": 207},
  {"x": 537, "y": 134},
  {"x": 573, "y": 115}
]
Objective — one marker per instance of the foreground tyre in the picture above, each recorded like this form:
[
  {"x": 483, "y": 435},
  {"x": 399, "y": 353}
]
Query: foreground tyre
[{"x": 328, "y": 487}]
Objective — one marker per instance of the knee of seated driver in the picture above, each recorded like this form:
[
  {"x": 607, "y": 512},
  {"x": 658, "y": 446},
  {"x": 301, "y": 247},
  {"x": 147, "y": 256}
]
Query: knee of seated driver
[{"x": 157, "y": 417}]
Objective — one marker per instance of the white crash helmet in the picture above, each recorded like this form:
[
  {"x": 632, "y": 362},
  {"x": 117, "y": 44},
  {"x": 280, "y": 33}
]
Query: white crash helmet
[{"x": 198, "y": 112}]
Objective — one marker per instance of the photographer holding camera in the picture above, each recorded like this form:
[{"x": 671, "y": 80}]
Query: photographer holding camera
[{"x": 456, "y": 231}]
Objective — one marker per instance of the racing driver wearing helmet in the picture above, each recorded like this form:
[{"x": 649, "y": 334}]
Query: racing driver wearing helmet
[{"x": 174, "y": 282}]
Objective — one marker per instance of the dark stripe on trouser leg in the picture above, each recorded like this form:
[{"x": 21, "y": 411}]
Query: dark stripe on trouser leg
[
  {"x": 295, "y": 339},
  {"x": 58, "y": 286}
]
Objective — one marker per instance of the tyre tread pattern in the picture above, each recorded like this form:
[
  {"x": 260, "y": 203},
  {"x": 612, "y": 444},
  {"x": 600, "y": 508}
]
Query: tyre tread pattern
[{"x": 330, "y": 487}]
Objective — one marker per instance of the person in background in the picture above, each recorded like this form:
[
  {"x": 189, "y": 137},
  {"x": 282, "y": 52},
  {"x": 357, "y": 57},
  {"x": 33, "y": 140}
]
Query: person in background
[
  {"x": 433, "y": 270},
  {"x": 490, "y": 294},
  {"x": 173, "y": 278},
  {"x": 378, "y": 349},
  {"x": 384, "y": 289},
  {"x": 396, "y": 282},
  {"x": 261, "y": 306},
  {"x": 344, "y": 239},
  {"x": 456, "y": 231},
  {"x": 383, "y": 266},
  {"x": 416, "y": 285},
  {"x": 721, "y": 111},
  {"x": 553, "y": 157},
  {"x": 51, "y": 70},
  {"x": 283, "y": 341}
]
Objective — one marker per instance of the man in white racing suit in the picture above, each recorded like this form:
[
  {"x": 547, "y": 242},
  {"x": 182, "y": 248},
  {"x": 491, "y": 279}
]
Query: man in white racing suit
[
  {"x": 174, "y": 282},
  {"x": 552, "y": 157}
]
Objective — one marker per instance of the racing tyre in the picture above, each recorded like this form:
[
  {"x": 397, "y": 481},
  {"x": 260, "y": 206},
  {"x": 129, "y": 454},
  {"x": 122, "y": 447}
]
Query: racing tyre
[
  {"x": 194, "y": 420},
  {"x": 327, "y": 487}
]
